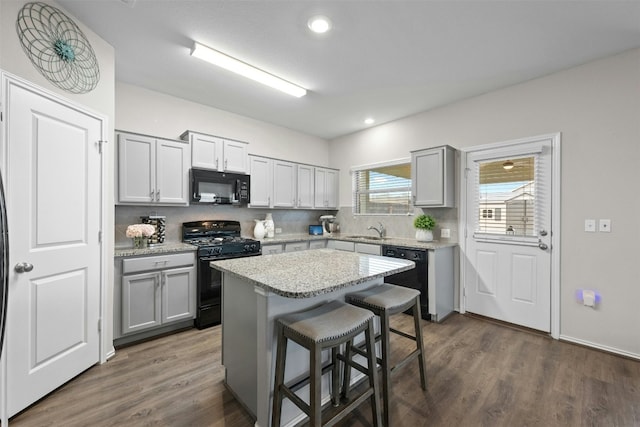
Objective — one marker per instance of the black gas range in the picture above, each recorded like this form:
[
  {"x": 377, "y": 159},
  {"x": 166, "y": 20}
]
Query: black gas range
[{"x": 216, "y": 240}]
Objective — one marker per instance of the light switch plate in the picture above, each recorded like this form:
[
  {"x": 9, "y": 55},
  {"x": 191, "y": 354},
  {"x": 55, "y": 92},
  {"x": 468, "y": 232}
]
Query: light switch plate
[
  {"x": 605, "y": 225},
  {"x": 590, "y": 225}
]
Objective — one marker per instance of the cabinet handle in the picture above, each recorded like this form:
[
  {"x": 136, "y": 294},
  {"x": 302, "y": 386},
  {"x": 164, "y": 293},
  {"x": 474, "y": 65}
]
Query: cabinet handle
[
  {"x": 217, "y": 163},
  {"x": 225, "y": 163},
  {"x": 158, "y": 195},
  {"x": 152, "y": 195}
]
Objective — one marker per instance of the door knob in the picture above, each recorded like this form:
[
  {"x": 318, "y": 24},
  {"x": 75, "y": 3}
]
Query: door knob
[
  {"x": 23, "y": 267},
  {"x": 543, "y": 232},
  {"x": 543, "y": 246}
]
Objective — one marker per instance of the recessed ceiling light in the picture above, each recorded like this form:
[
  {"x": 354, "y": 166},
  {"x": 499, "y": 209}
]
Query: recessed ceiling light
[
  {"x": 242, "y": 68},
  {"x": 319, "y": 24},
  {"x": 369, "y": 121}
]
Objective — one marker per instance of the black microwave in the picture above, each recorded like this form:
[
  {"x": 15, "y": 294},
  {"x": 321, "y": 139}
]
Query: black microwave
[{"x": 220, "y": 188}]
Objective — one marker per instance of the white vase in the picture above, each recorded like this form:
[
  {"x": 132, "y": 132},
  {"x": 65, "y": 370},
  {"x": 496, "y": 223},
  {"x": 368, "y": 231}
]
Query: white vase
[
  {"x": 269, "y": 226},
  {"x": 424, "y": 235},
  {"x": 258, "y": 230}
]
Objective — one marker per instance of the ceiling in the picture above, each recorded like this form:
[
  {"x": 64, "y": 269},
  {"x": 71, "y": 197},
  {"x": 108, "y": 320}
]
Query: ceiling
[{"x": 382, "y": 59}]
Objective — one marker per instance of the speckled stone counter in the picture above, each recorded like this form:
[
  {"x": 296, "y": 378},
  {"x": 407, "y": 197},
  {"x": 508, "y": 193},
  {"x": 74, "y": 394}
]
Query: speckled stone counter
[
  {"x": 310, "y": 273},
  {"x": 258, "y": 290},
  {"x": 395, "y": 241},
  {"x": 163, "y": 249}
]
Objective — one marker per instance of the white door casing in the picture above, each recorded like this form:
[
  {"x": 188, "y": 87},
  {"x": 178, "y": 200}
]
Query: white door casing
[
  {"x": 53, "y": 173},
  {"x": 514, "y": 278}
]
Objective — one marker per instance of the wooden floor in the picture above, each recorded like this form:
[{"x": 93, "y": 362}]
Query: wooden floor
[{"x": 479, "y": 373}]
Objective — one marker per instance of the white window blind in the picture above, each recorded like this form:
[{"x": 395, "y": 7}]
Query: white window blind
[
  {"x": 506, "y": 199},
  {"x": 383, "y": 189}
]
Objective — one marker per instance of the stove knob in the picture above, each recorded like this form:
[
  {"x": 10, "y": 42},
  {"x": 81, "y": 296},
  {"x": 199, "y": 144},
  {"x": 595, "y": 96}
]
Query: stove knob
[
  {"x": 254, "y": 247},
  {"x": 217, "y": 250},
  {"x": 246, "y": 248}
]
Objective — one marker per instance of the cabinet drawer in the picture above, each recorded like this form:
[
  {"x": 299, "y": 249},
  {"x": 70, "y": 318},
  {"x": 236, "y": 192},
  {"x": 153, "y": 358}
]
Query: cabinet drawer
[
  {"x": 159, "y": 262},
  {"x": 317, "y": 244},
  {"x": 367, "y": 248},
  {"x": 341, "y": 245},
  {"x": 297, "y": 246},
  {"x": 271, "y": 249}
]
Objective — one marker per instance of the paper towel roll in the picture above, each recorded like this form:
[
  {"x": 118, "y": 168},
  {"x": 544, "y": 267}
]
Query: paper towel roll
[{"x": 207, "y": 197}]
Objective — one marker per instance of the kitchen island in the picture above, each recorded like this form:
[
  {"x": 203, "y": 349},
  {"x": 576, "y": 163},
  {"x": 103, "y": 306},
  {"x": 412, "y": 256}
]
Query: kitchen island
[{"x": 258, "y": 290}]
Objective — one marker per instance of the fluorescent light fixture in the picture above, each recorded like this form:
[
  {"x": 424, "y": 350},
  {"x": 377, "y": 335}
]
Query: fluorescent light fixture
[
  {"x": 319, "y": 24},
  {"x": 242, "y": 68},
  {"x": 369, "y": 121}
]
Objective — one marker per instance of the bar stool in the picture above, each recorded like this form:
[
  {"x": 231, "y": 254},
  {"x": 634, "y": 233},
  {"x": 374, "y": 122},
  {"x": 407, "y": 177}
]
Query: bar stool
[
  {"x": 327, "y": 326},
  {"x": 384, "y": 301}
]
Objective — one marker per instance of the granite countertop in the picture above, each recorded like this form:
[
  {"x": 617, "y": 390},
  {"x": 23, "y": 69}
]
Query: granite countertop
[
  {"x": 349, "y": 237},
  {"x": 160, "y": 249},
  {"x": 314, "y": 272}
]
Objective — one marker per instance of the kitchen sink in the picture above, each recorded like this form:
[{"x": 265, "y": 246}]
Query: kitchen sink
[{"x": 366, "y": 237}]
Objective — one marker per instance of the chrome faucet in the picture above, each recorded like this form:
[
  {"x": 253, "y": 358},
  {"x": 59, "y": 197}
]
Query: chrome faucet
[{"x": 379, "y": 230}]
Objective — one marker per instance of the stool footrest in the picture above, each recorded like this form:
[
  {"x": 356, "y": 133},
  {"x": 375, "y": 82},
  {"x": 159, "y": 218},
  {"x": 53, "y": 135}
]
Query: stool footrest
[
  {"x": 306, "y": 380},
  {"x": 402, "y": 334}
]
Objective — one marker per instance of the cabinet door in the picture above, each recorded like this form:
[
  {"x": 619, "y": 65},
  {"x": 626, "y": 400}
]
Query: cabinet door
[
  {"x": 172, "y": 172},
  {"x": 261, "y": 181},
  {"x": 284, "y": 184},
  {"x": 331, "y": 189},
  {"x": 235, "y": 156},
  {"x": 305, "y": 186},
  {"x": 178, "y": 294},
  {"x": 136, "y": 169},
  {"x": 141, "y": 307},
  {"x": 206, "y": 152},
  {"x": 319, "y": 197},
  {"x": 368, "y": 248},
  {"x": 427, "y": 168}
]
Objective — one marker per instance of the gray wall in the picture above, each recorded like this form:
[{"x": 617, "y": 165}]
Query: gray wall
[{"x": 596, "y": 107}]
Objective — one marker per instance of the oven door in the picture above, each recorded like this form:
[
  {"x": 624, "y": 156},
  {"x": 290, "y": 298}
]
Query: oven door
[{"x": 208, "y": 312}]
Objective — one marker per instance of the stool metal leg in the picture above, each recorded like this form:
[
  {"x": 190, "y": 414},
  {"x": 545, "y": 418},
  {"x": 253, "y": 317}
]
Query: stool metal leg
[
  {"x": 315, "y": 386},
  {"x": 346, "y": 379},
  {"x": 281, "y": 355},
  {"x": 421, "y": 359},
  {"x": 335, "y": 377},
  {"x": 373, "y": 373},
  {"x": 386, "y": 368}
]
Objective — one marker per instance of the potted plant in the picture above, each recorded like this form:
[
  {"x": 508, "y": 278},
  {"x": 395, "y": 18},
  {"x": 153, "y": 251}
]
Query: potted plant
[{"x": 424, "y": 225}]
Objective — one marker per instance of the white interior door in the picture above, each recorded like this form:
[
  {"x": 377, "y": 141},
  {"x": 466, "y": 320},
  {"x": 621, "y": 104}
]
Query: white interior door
[
  {"x": 53, "y": 196},
  {"x": 508, "y": 233}
]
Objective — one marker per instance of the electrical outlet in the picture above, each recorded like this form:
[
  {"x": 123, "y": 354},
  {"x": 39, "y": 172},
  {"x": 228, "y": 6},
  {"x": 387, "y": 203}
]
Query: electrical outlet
[
  {"x": 445, "y": 233},
  {"x": 278, "y": 230},
  {"x": 605, "y": 225},
  {"x": 590, "y": 225}
]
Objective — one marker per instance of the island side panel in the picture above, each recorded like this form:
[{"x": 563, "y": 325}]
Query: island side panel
[{"x": 240, "y": 339}]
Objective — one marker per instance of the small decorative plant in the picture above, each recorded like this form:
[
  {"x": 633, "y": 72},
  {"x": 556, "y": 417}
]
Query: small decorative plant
[{"x": 424, "y": 222}]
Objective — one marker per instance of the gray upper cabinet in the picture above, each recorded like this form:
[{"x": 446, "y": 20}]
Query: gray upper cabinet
[
  {"x": 433, "y": 177},
  {"x": 284, "y": 184},
  {"x": 305, "y": 189},
  {"x": 326, "y": 188},
  {"x": 216, "y": 153},
  {"x": 152, "y": 170}
]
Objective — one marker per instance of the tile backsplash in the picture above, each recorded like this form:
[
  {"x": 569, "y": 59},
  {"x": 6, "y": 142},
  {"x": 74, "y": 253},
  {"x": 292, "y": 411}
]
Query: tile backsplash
[{"x": 289, "y": 220}]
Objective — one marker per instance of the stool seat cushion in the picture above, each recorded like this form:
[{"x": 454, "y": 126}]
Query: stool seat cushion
[
  {"x": 385, "y": 296},
  {"x": 326, "y": 322}
]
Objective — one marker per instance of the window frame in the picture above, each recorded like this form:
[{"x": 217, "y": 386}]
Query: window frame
[{"x": 372, "y": 166}]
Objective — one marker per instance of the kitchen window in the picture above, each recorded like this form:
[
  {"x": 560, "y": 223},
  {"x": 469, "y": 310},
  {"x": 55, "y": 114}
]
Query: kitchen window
[{"x": 382, "y": 188}]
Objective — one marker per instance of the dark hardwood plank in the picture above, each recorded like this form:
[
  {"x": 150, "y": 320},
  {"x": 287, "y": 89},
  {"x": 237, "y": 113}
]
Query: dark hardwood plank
[{"x": 480, "y": 373}]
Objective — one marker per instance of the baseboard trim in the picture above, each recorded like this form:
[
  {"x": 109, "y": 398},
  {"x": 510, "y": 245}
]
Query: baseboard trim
[{"x": 606, "y": 349}]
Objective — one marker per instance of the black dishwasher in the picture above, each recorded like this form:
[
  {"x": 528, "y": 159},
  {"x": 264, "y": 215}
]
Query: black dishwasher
[{"x": 415, "y": 278}]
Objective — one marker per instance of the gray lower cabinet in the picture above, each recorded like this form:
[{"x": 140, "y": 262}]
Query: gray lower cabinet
[
  {"x": 317, "y": 244},
  {"x": 155, "y": 293},
  {"x": 272, "y": 249}
]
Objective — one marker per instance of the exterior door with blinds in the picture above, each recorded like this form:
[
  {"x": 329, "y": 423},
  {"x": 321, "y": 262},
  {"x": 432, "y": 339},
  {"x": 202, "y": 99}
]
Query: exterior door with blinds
[{"x": 508, "y": 233}]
